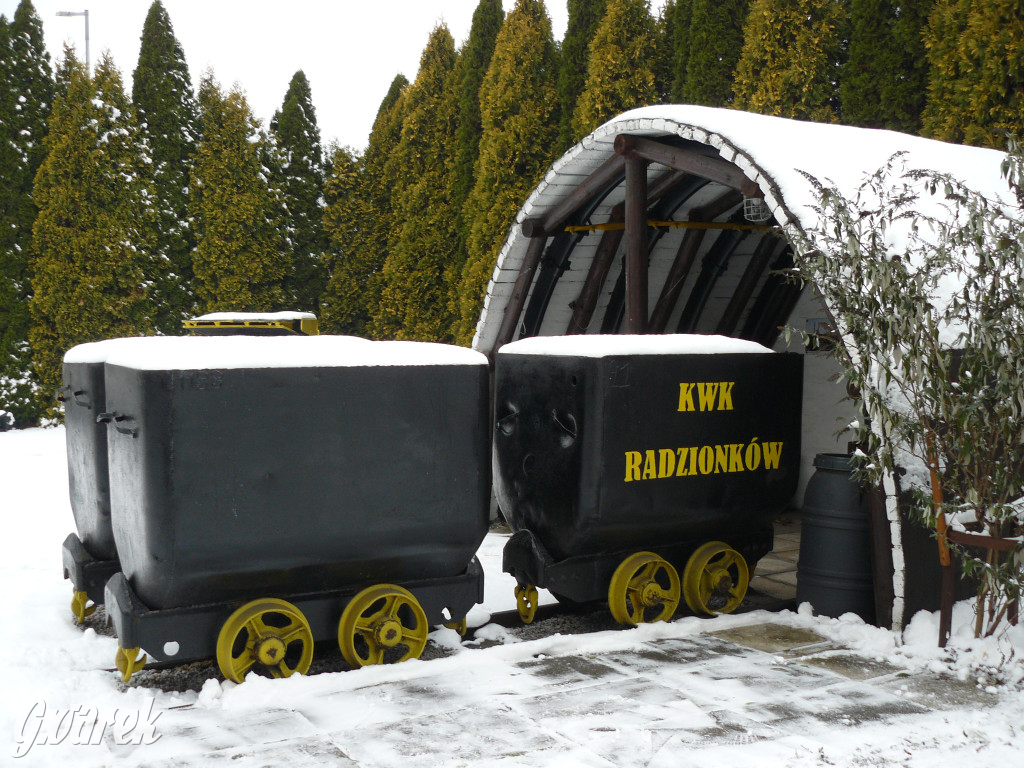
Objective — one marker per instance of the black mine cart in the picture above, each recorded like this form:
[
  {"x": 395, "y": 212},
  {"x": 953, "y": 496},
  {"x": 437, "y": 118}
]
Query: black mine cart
[
  {"x": 643, "y": 469},
  {"x": 90, "y": 555},
  {"x": 268, "y": 493}
]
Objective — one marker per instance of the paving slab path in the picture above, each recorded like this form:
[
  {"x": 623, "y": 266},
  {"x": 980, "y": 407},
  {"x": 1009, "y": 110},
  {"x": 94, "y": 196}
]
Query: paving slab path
[{"x": 758, "y": 694}]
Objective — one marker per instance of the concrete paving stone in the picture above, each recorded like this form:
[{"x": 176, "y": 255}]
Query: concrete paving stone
[
  {"x": 223, "y": 729},
  {"x": 730, "y": 728},
  {"x": 940, "y": 691},
  {"x": 441, "y": 736},
  {"x": 625, "y": 722},
  {"x": 658, "y": 655},
  {"x": 771, "y": 680},
  {"x": 379, "y": 703},
  {"x": 305, "y": 752},
  {"x": 617, "y": 704},
  {"x": 776, "y": 590},
  {"x": 770, "y": 564},
  {"x": 786, "y": 577},
  {"x": 849, "y": 665},
  {"x": 569, "y": 670},
  {"x": 786, "y": 546},
  {"x": 789, "y": 715},
  {"x": 770, "y": 638}
]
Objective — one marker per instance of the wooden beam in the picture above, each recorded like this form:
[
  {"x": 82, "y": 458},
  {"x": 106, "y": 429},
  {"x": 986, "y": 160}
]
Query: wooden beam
[
  {"x": 584, "y": 305},
  {"x": 683, "y": 261},
  {"x": 711, "y": 168},
  {"x": 745, "y": 289},
  {"x": 676, "y": 277},
  {"x": 583, "y": 309},
  {"x": 611, "y": 170},
  {"x": 636, "y": 245},
  {"x": 514, "y": 308}
]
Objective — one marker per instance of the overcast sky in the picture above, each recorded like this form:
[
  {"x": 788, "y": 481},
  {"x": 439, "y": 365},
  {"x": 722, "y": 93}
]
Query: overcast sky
[{"x": 350, "y": 50}]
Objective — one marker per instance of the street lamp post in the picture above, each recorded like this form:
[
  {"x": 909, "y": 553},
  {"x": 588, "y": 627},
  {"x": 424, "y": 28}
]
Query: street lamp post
[{"x": 86, "y": 15}]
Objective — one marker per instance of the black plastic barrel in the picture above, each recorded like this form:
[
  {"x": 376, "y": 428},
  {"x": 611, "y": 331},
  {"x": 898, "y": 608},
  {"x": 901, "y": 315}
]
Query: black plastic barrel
[{"x": 834, "y": 573}]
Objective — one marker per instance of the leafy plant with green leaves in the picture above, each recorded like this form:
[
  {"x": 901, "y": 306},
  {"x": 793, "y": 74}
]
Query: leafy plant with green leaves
[{"x": 922, "y": 276}]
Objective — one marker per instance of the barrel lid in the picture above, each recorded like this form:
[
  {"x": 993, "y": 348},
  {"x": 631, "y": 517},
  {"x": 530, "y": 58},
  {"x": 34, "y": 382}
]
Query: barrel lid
[{"x": 839, "y": 462}]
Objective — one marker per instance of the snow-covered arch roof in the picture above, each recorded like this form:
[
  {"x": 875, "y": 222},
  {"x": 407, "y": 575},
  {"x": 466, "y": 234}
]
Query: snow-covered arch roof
[{"x": 772, "y": 152}]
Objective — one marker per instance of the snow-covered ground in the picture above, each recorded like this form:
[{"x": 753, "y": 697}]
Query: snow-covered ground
[{"x": 685, "y": 693}]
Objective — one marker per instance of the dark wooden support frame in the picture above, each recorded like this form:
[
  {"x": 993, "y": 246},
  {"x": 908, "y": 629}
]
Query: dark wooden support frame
[
  {"x": 583, "y": 311},
  {"x": 711, "y": 168},
  {"x": 632, "y": 155},
  {"x": 759, "y": 262},
  {"x": 516, "y": 302},
  {"x": 636, "y": 245},
  {"x": 611, "y": 170},
  {"x": 685, "y": 256}
]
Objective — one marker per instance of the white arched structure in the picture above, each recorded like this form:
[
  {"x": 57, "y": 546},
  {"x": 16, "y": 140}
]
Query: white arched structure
[{"x": 702, "y": 166}]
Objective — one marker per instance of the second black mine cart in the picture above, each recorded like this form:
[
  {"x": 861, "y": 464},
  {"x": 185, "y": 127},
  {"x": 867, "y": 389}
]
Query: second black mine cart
[
  {"x": 643, "y": 469},
  {"x": 269, "y": 493},
  {"x": 90, "y": 555}
]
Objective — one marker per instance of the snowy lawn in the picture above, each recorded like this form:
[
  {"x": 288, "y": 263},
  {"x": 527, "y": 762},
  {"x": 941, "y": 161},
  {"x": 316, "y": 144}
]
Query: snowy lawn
[{"x": 685, "y": 693}]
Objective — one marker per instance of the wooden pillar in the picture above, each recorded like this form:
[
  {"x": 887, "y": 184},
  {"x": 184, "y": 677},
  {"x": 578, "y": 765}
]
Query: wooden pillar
[
  {"x": 636, "y": 244},
  {"x": 514, "y": 308},
  {"x": 583, "y": 311}
]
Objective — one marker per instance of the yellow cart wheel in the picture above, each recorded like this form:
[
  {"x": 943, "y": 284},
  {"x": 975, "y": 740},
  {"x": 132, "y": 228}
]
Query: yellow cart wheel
[
  {"x": 383, "y": 624},
  {"x": 128, "y": 662},
  {"x": 526, "y": 602},
  {"x": 459, "y": 626},
  {"x": 715, "y": 579},
  {"x": 269, "y": 636},
  {"x": 643, "y": 589},
  {"x": 80, "y": 606}
]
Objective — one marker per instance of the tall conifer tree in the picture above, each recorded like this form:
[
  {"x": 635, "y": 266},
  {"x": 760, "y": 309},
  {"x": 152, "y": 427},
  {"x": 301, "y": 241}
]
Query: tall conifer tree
[
  {"x": 976, "y": 52},
  {"x": 678, "y": 14},
  {"x": 91, "y": 236},
  {"x": 358, "y": 221},
  {"x": 907, "y": 94},
  {"x": 423, "y": 246},
  {"x": 26, "y": 96},
  {"x": 663, "y": 72},
  {"x": 299, "y": 177},
  {"x": 584, "y": 16},
  {"x": 714, "y": 41},
  {"x": 350, "y": 256},
  {"x": 474, "y": 59},
  {"x": 518, "y": 106},
  {"x": 238, "y": 261},
  {"x": 789, "y": 65},
  {"x": 883, "y": 80},
  {"x": 623, "y": 57},
  {"x": 166, "y": 110},
  {"x": 382, "y": 174}
]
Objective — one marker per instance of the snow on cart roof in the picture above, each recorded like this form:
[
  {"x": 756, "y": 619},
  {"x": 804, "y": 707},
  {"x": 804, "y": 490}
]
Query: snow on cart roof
[
  {"x": 91, "y": 352},
  {"x": 626, "y": 344},
  {"x": 768, "y": 154},
  {"x": 190, "y": 353}
]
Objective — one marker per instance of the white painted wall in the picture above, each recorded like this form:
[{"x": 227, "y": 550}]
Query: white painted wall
[{"x": 827, "y": 408}]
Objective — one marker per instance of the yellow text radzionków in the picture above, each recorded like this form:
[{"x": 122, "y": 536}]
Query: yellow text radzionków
[{"x": 702, "y": 460}]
